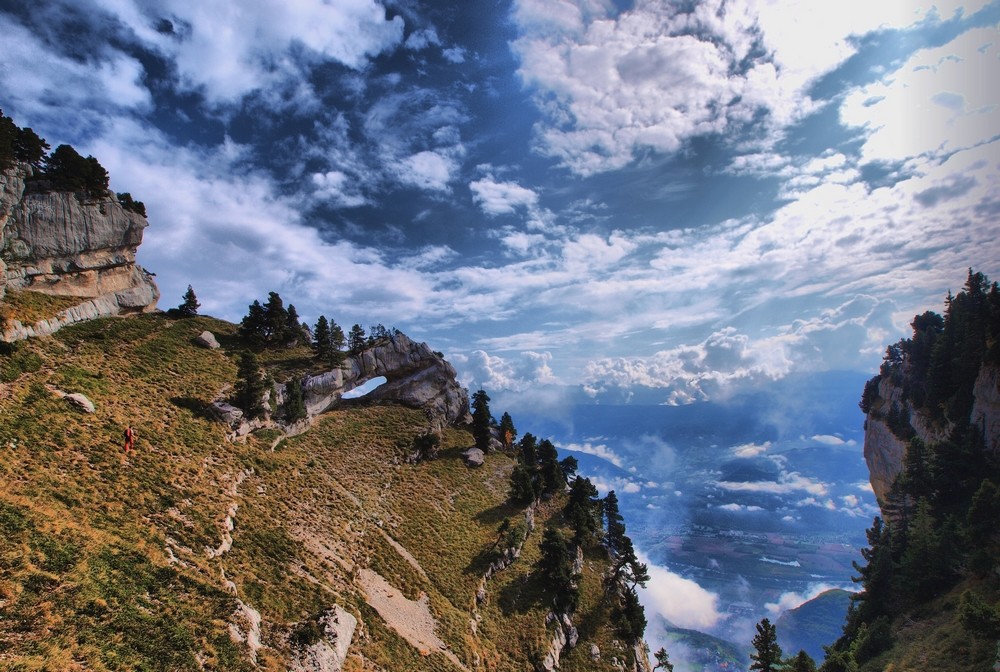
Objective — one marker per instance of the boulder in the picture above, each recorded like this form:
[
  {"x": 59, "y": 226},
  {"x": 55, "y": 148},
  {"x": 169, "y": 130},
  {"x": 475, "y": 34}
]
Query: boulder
[
  {"x": 206, "y": 339},
  {"x": 80, "y": 401},
  {"x": 474, "y": 457},
  {"x": 329, "y": 652}
]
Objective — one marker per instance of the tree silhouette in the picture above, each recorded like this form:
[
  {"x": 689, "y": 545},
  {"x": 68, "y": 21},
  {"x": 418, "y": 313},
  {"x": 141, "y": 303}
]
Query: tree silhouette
[{"x": 767, "y": 654}]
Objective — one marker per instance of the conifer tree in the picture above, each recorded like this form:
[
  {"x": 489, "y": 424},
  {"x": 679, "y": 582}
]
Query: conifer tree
[
  {"x": 767, "y": 654},
  {"x": 529, "y": 448},
  {"x": 555, "y": 566},
  {"x": 356, "y": 341},
  {"x": 321, "y": 339},
  {"x": 553, "y": 479},
  {"x": 507, "y": 431},
  {"x": 802, "y": 662},
  {"x": 582, "y": 509},
  {"x": 293, "y": 327},
  {"x": 252, "y": 327},
  {"x": 295, "y": 408},
  {"x": 662, "y": 661},
  {"x": 250, "y": 386},
  {"x": 337, "y": 343},
  {"x": 275, "y": 320},
  {"x": 615, "y": 528},
  {"x": 481, "y": 420},
  {"x": 190, "y": 306}
]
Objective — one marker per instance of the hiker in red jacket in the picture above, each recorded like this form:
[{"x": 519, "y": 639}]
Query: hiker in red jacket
[{"x": 129, "y": 439}]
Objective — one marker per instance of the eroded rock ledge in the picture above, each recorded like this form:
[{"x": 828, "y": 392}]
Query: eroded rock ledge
[
  {"x": 416, "y": 377},
  {"x": 66, "y": 244}
]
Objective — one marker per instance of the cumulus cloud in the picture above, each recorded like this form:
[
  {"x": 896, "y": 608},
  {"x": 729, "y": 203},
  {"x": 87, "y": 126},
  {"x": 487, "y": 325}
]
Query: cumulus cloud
[
  {"x": 499, "y": 198},
  {"x": 528, "y": 369},
  {"x": 681, "y": 601},
  {"x": 658, "y": 74},
  {"x": 597, "y": 450},
  {"x": 210, "y": 42}
]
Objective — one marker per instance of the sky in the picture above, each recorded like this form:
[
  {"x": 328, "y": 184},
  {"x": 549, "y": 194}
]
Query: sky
[{"x": 678, "y": 199}]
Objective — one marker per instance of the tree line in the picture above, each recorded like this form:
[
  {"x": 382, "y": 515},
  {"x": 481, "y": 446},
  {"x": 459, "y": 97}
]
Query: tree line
[
  {"x": 64, "y": 169},
  {"x": 941, "y": 513}
]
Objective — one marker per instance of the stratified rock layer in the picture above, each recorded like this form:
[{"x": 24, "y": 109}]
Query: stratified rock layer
[
  {"x": 885, "y": 452},
  {"x": 67, "y": 244},
  {"x": 415, "y": 376}
]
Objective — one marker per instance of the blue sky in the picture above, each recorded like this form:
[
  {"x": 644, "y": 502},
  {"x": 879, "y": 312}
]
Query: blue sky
[{"x": 682, "y": 199}]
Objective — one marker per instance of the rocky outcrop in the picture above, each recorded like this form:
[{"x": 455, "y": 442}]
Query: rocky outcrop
[
  {"x": 885, "y": 452},
  {"x": 986, "y": 409},
  {"x": 66, "y": 244},
  {"x": 416, "y": 376},
  {"x": 329, "y": 652}
]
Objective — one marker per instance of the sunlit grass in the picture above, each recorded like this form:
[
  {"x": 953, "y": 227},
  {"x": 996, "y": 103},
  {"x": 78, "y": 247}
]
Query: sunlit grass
[{"x": 85, "y": 581}]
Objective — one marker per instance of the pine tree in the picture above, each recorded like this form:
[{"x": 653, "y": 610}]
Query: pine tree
[
  {"x": 295, "y": 408},
  {"x": 662, "y": 661},
  {"x": 767, "y": 654},
  {"x": 275, "y": 320},
  {"x": 553, "y": 479},
  {"x": 507, "y": 431},
  {"x": 190, "y": 306},
  {"x": 529, "y": 449},
  {"x": 802, "y": 662},
  {"x": 250, "y": 386},
  {"x": 337, "y": 343},
  {"x": 356, "y": 341},
  {"x": 252, "y": 327},
  {"x": 615, "y": 528},
  {"x": 293, "y": 327},
  {"x": 321, "y": 339},
  {"x": 524, "y": 484},
  {"x": 481, "y": 420},
  {"x": 555, "y": 566},
  {"x": 582, "y": 509}
]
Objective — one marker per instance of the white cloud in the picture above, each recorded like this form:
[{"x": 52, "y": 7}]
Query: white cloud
[
  {"x": 498, "y": 198},
  {"x": 653, "y": 76},
  {"x": 828, "y": 440},
  {"x": 597, "y": 450},
  {"x": 681, "y": 601},
  {"x": 787, "y": 482},
  {"x": 739, "y": 508},
  {"x": 751, "y": 449},
  {"x": 428, "y": 170},
  {"x": 940, "y": 100},
  {"x": 227, "y": 49},
  {"x": 793, "y": 600}
]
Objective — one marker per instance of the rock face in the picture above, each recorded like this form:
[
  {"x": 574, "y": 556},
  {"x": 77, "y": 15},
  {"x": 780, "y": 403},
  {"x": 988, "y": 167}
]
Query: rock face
[
  {"x": 986, "y": 409},
  {"x": 884, "y": 452},
  {"x": 330, "y": 651},
  {"x": 415, "y": 376},
  {"x": 64, "y": 244}
]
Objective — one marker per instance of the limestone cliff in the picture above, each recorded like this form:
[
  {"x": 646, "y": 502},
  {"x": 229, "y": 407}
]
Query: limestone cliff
[
  {"x": 884, "y": 451},
  {"x": 66, "y": 244}
]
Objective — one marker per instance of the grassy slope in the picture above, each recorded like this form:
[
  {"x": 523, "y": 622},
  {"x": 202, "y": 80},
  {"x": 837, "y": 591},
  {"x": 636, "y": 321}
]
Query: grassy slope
[
  {"x": 85, "y": 581},
  {"x": 932, "y": 637}
]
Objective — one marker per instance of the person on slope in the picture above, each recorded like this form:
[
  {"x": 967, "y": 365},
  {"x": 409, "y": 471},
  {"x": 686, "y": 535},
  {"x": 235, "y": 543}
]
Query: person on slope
[{"x": 129, "y": 439}]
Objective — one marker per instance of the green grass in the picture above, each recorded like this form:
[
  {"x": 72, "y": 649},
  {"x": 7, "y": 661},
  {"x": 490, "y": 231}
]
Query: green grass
[
  {"x": 85, "y": 581},
  {"x": 29, "y": 307}
]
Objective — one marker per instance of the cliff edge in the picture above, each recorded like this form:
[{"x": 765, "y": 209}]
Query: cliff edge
[{"x": 69, "y": 244}]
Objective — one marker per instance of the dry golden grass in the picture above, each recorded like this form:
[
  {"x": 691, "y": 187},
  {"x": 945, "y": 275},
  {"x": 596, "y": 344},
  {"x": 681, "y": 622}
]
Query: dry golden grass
[
  {"x": 86, "y": 536},
  {"x": 29, "y": 307}
]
